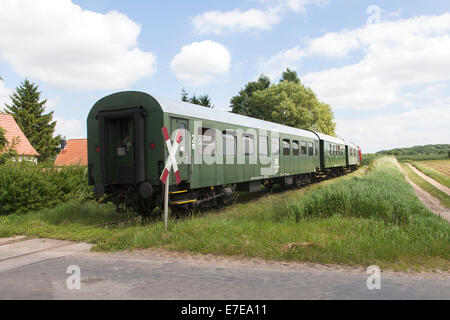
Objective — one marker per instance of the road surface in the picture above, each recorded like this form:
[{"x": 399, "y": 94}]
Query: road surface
[{"x": 36, "y": 269}]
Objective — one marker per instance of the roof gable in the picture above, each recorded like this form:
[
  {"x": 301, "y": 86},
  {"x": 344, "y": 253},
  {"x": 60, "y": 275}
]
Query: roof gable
[
  {"x": 13, "y": 131},
  {"x": 75, "y": 153}
]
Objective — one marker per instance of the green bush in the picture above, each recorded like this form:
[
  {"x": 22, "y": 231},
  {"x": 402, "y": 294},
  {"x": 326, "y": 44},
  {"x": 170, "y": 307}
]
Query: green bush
[{"x": 27, "y": 187}]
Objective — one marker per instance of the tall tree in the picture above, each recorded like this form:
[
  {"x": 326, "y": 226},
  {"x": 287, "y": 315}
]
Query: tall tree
[
  {"x": 288, "y": 102},
  {"x": 38, "y": 126},
  {"x": 242, "y": 103},
  {"x": 290, "y": 75}
]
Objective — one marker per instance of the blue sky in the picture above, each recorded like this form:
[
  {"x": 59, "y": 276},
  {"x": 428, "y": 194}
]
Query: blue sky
[{"x": 384, "y": 66}]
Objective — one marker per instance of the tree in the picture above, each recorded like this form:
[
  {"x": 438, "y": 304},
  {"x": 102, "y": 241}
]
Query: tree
[
  {"x": 290, "y": 75},
  {"x": 3, "y": 140},
  {"x": 184, "y": 95},
  {"x": 288, "y": 102},
  {"x": 7, "y": 150},
  {"x": 242, "y": 103},
  {"x": 205, "y": 101},
  {"x": 38, "y": 127},
  {"x": 202, "y": 100}
]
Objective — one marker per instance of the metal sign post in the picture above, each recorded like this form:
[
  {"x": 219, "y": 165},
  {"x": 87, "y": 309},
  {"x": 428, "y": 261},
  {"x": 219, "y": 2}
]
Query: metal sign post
[{"x": 171, "y": 162}]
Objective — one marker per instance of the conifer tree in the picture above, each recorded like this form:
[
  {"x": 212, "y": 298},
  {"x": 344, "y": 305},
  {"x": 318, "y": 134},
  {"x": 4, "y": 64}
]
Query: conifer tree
[{"x": 38, "y": 126}]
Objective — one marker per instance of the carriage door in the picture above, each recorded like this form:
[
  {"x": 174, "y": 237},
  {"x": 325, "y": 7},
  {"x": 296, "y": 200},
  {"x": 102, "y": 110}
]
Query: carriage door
[
  {"x": 122, "y": 144},
  {"x": 184, "y": 150}
]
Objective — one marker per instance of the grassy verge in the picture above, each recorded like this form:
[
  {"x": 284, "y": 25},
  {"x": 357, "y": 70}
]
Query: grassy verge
[
  {"x": 436, "y": 175},
  {"x": 360, "y": 219},
  {"x": 428, "y": 187}
]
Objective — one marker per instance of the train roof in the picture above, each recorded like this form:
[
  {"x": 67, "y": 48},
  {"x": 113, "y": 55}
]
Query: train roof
[
  {"x": 192, "y": 110},
  {"x": 328, "y": 138},
  {"x": 351, "y": 144}
]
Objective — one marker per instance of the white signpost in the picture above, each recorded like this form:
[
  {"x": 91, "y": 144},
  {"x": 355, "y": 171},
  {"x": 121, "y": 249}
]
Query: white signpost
[{"x": 171, "y": 162}]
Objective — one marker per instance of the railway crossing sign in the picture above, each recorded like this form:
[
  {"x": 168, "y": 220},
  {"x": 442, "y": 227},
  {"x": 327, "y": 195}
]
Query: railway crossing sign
[
  {"x": 170, "y": 163},
  {"x": 171, "y": 160}
]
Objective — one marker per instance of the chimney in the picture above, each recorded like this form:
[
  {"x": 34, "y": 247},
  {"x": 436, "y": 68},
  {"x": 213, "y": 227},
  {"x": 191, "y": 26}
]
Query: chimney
[{"x": 63, "y": 143}]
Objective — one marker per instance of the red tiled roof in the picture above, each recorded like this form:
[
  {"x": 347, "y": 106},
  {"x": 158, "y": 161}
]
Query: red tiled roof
[
  {"x": 75, "y": 153},
  {"x": 12, "y": 130}
]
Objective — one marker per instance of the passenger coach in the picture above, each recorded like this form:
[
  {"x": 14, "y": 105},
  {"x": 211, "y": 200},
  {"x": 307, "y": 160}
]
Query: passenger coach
[{"x": 219, "y": 152}]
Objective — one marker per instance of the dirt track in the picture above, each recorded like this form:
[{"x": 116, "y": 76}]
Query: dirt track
[
  {"x": 429, "y": 201},
  {"x": 430, "y": 180}
]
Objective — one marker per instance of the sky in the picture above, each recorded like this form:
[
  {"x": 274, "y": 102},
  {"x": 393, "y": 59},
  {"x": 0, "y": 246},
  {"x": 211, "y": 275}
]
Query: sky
[{"x": 383, "y": 66}]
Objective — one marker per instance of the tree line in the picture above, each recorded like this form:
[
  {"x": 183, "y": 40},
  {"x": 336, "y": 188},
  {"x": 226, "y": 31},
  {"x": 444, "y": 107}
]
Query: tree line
[{"x": 419, "y": 150}]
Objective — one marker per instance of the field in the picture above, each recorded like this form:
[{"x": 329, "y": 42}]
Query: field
[
  {"x": 428, "y": 187},
  {"x": 439, "y": 170},
  {"x": 369, "y": 217}
]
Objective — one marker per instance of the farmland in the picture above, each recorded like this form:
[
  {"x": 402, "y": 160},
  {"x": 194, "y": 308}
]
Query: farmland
[
  {"x": 439, "y": 170},
  {"x": 369, "y": 217}
]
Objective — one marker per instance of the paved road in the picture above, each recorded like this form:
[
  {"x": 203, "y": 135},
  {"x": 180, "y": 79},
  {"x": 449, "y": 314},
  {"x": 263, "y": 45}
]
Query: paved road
[{"x": 27, "y": 273}]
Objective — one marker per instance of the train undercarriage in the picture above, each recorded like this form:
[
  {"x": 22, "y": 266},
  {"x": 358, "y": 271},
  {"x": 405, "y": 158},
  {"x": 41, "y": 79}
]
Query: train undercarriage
[{"x": 132, "y": 199}]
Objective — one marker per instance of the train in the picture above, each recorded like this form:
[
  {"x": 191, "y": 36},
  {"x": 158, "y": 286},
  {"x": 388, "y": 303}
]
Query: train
[{"x": 219, "y": 153}]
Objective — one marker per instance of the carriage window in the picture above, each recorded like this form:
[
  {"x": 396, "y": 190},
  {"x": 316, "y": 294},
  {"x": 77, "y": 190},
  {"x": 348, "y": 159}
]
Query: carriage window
[
  {"x": 229, "y": 143},
  {"x": 330, "y": 151},
  {"x": 310, "y": 149},
  {"x": 304, "y": 149},
  {"x": 263, "y": 145},
  {"x": 207, "y": 140},
  {"x": 248, "y": 144},
  {"x": 275, "y": 147},
  {"x": 182, "y": 127},
  {"x": 295, "y": 147},
  {"x": 286, "y": 147}
]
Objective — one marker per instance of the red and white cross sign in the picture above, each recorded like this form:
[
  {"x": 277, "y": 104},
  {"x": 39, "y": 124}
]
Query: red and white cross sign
[{"x": 171, "y": 160}]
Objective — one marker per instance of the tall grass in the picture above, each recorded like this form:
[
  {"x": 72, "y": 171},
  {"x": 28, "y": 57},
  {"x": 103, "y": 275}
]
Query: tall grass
[
  {"x": 26, "y": 187},
  {"x": 383, "y": 194}
]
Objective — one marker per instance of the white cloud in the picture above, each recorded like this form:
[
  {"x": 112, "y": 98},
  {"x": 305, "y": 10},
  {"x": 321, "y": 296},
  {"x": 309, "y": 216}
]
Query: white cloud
[
  {"x": 264, "y": 19},
  {"x": 199, "y": 62},
  {"x": 398, "y": 55},
  {"x": 408, "y": 129},
  {"x": 70, "y": 128},
  {"x": 4, "y": 95},
  {"x": 58, "y": 42},
  {"x": 235, "y": 21}
]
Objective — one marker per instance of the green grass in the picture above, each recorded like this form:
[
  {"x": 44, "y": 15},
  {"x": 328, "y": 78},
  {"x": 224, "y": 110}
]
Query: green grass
[
  {"x": 428, "y": 187},
  {"x": 369, "y": 217},
  {"x": 436, "y": 175}
]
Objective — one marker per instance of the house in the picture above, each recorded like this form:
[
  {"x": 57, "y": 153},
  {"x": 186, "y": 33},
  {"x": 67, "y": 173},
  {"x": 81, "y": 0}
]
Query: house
[
  {"x": 74, "y": 153},
  {"x": 13, "y": 133}
]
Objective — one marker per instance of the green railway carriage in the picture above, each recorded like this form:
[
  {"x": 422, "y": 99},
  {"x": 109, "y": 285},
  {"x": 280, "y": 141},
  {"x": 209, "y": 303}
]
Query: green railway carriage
[
  {"x": 352, "y": 155},
  {"x": 219, "y": 152},
  {"x": 332, "y": 153}
]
